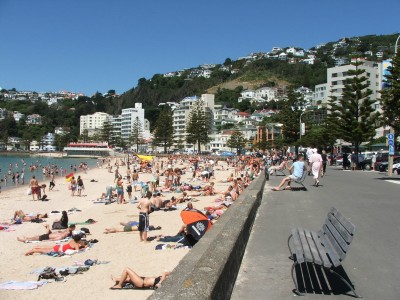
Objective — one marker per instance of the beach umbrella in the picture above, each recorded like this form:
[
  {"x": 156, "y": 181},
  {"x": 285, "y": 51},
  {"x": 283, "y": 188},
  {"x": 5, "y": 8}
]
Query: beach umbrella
[
  {"x": 196, "y": 222},
  {"x": 145, "y": 157}
]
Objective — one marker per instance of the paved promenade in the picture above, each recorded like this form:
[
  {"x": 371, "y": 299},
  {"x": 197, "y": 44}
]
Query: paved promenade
[{"x": 366, "y": 198}]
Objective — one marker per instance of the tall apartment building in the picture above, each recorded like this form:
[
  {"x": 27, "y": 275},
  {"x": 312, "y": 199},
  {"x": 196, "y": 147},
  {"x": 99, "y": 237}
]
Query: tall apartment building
[
  {"x": 128, "y": 118},
  {"x": 93, "y": 123},
  {"x": 336, "y": 80},
  {"x": 180, "y": 114}
]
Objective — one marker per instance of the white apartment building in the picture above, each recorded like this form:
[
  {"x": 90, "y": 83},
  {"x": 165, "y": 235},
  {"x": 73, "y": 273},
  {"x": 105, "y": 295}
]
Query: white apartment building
[
  {"x": 337, "y": 76},
  {"x": 128, "y": 118},
  {"x": 336, "y": 79},
  {"x": 93, "y": 123},
  {"x": 181, "y": 112}
]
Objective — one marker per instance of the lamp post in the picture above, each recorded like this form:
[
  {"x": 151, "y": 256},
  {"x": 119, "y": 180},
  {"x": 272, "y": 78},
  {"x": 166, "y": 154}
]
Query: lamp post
[{"x": 300, "y": 123}]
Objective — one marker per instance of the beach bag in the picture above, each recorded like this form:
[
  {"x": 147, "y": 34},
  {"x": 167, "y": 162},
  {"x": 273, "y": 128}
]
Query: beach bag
[
  {"x": 48, "y": 273},
  {"x": 29, "y": 191}
]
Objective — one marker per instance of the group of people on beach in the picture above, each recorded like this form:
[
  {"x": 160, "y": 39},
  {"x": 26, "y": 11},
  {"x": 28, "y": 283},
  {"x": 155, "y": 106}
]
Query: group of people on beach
[{"x": 186, "y": 176}]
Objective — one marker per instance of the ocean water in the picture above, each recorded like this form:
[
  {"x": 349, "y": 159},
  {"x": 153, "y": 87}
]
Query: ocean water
[{"x": 17, "y": 163}]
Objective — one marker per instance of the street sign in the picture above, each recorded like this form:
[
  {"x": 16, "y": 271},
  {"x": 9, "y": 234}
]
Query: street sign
[
  {"x": 390, "y": 142},
  {"x": 391, "y": 149},
  {"x": 390, "y": 136}
]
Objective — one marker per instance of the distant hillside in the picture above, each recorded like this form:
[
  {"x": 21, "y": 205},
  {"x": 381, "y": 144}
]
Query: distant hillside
[{"x": 260, "y": 70}]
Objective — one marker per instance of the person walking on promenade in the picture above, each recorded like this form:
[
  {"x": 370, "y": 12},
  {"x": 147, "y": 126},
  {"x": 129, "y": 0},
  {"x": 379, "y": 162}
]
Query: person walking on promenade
[
  {"x": 324, "y": 162},
  {"x": 316, "y": 166}
]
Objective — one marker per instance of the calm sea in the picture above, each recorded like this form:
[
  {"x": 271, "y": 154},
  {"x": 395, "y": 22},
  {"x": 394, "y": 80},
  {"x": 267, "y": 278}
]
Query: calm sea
[{"x": 17, "y": 163}]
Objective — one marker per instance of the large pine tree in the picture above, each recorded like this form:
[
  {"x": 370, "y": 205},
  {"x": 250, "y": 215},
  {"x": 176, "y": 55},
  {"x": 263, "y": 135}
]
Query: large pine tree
[
  {"x": 289, "y": 116},
  {"x": 390, "y": 99},
  {"x": 198, "y": 126},
  {"x": 136, "y": 137},
  {"x": 355, "y": 110},
  {"x": 164, "y": 130}
]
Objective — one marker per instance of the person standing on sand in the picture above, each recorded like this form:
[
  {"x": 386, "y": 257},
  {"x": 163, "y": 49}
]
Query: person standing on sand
[
  {"x": 80, "y": 186},
  {"x": 73, "y": 186},
  {"x": 34, "y": 185},
  {"x": 144, "y": 207}
]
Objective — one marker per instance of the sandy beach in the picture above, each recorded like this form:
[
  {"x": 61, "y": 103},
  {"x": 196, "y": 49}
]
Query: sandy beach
[{"x": 119, "y": 250}]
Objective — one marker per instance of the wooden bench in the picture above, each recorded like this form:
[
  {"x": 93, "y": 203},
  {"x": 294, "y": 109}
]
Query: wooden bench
[{"x": 326, "y": 248}]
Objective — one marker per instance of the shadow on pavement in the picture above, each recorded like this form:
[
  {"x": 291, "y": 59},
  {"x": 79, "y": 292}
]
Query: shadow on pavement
[{"x": 316, "y": 280}]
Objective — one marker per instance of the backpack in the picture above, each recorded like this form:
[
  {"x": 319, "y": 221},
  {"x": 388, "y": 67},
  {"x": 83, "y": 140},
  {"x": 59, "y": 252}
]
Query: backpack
[{"x": 48, "y": 273}]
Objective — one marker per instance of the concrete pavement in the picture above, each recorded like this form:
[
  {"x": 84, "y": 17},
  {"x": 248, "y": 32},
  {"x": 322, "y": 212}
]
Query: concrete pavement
[{"x": 370, "y": 201}]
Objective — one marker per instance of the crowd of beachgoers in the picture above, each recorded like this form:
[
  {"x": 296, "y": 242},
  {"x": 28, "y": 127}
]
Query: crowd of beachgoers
[{"x": 132, "y": 194}]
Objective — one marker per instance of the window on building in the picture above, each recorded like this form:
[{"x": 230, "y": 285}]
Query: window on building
[{"x": 334, "y": 74}]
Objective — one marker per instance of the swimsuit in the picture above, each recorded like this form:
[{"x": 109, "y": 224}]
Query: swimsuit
[
  {"x": 62, "y": 248},
  {"x": 143, "y": 222},
  {"x": 44, "y": 237},
  {"x": 156, "y": 281},
  {"x": 127, "y": 228}
]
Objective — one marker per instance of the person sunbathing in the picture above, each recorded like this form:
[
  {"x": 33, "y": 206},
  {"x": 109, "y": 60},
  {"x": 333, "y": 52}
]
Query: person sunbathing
[
  {"x": 20, "y": 216},
  {"x": 229, "y": 179},
  {"x": 74, "y": 244},
  {"x": 140, "y": 282},
  {"x": 49, "y": 235},
  {"x": 128, "y": 227},
  {"x": 207, "y": 190}
]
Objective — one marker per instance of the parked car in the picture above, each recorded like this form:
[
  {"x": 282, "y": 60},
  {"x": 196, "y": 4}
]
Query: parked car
[
  {"x": 396, "y": 168},
  {"x": 366, "y": 164},
  {"x": 383, "y": 166}
]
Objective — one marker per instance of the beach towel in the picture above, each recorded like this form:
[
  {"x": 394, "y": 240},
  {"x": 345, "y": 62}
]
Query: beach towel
[{"x": 21, "y": 285}]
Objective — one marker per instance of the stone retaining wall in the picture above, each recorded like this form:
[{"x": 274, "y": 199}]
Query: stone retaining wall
[{"x": 210, "y": 269}]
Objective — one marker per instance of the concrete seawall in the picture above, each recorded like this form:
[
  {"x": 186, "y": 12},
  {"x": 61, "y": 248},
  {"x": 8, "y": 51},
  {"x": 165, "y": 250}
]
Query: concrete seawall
[{"x": 210, "y": 269}]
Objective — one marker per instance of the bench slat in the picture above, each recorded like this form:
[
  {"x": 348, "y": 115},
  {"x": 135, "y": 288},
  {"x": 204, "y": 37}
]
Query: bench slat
[
  {"x": 306, "y": 248},
  {"x": 298, "y": 249},
  {"x": 321, "y": 250},
  {"x": 333, "y": 256},
  {"x": 350, "y": 227},
  {"x": 313, "y": 247},
  {"x": 335, "y": 236},
  {"x": 336, "y": 246},
  {"x": 340, "y": 228}
]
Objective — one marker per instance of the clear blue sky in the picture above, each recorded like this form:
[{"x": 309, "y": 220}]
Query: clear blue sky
[{"x": 97, "y": 45}]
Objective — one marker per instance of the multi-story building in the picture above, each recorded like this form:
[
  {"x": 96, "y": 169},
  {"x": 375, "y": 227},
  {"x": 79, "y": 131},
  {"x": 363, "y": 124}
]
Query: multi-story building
[
  {"x": 182, "y": 111},
  {"x": 337, "y": 78},
  {"x": 128, "y": 118},
  {"x": 93, "y": 123}
]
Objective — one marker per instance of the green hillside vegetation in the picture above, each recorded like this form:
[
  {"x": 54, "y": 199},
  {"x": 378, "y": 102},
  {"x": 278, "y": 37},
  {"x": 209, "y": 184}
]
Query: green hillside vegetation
[{"x": 160, "y": 89}]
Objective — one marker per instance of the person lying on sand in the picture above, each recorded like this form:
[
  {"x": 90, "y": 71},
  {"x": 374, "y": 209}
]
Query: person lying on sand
[
  {"x": 74, "y": 244},
  {"x": 20, "y": 216},
  {"x": 49, "y": 235},
  {"x": 127, "y": 227},
  {"x": 207, "y": 190},
  {"x": 140, "y": 282}
]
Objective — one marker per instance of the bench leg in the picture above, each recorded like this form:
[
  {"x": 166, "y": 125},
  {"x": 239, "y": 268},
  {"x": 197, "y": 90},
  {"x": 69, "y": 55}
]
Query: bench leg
[
  {"x": 346, "y": 282},
  {"x": 296, "y": 290}
]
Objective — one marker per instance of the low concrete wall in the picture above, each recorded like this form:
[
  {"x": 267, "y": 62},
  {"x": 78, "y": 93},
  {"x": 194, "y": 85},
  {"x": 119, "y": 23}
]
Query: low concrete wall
[{"x": 210, "y": 269}]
